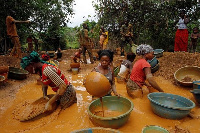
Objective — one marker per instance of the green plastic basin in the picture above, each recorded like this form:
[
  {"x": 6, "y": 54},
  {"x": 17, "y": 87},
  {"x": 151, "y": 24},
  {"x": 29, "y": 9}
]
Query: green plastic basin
[
  {"x": 112, "y": 103},
  {"x": 154, "y": 129}
]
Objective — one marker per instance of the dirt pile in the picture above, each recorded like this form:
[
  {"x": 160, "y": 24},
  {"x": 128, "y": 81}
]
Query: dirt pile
[{"x": 171, "y": 62}]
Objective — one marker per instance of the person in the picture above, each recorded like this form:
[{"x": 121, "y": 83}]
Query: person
[
  {"x": 126, "y": 67},
  {"x": 53, "y": 77},
  {"x": 59, "y": 54},
  {"x": 12, "y": 33},
  {"x": 104, "y": 67},
  {"x": 194, "y": 38},
  {"x": 141, "y": 71},
  {"x": 103, "y": 38},
  {"x": 85, "y": 43},
  {"x": 181, "y": 37},
  {"x": 35, "y": 40},
  {"x": 126, "y": 32},
  {"x": 29, "y": 40},
  {"x": 77, "y": 56}
]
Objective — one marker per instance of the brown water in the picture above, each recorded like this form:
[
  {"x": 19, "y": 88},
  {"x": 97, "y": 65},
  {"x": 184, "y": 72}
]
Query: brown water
[
  {"x": 101, "y": 99},
  {"x": 75, "y": 117}
]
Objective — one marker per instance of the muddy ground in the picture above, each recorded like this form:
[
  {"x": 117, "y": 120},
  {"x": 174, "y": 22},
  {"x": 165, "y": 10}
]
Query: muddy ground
[{"x": 11, "y": 90}]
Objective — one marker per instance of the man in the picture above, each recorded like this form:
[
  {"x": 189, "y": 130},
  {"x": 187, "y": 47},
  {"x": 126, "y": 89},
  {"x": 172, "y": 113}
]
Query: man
[
  {"x": 85, "y": 43},
  {"x": 126, "y": 32},
  {"x": 12, "y": 33}
]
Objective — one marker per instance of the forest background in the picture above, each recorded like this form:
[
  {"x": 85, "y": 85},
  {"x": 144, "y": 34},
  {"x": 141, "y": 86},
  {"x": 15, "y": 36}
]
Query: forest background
[{"x": 152, "y": 20}]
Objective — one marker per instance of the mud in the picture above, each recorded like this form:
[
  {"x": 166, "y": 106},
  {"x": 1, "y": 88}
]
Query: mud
[{"x": 14, "y": 94}]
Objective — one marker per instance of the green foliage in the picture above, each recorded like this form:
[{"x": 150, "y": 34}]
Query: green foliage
[
  {"x": 153, "y": 21},
  {"x": 47, "y": 16}
]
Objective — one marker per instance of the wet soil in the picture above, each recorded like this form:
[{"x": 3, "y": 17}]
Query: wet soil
[{"x": 16, "y": 93}]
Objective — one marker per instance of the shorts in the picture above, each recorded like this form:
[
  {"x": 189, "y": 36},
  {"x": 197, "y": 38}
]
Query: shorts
[
  {"x": 68, "y": 98},
  {"x": 133, "y": 90}
]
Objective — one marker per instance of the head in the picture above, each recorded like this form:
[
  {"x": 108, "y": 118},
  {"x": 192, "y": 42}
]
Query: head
[
  {"x": 130, "y": 56},
  {"x": 80, "y": 50},
  {"x": 85, "y": 26},
  {"x": 182, "y": 13},
  {"x": 105, "y": 57},
  {"x": 45, "y": 57},
  {"x": 195, "y": 30},
  {"x": 11, "y": 13},
  {"x": 146, "y": 51},
  {"x": 35, "y": 67}
]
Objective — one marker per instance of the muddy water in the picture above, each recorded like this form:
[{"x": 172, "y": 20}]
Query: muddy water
[{"x": 76, "y": 117}]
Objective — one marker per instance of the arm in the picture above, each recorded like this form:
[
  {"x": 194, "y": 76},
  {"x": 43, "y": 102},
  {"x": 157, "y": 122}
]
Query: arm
[
  {"x": 113, "y": 86},
  {"x": 151, "y": 80},
  {"x": 186, "y": 19},
  {"x": 44, "y": 90},
  {"x": 17, "y": 21}
]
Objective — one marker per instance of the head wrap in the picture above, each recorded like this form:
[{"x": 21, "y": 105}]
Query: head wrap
[
  {"x": 45, "y": 57},
  {"x": 144, "y": 49},
  {"x": 33, "y": 57}
]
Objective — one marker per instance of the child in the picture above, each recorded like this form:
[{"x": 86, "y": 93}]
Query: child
[
  {"x": 77, "y": 56},
  {"x": 194, "y": 38},
  {"x": 126, "y": 67}
]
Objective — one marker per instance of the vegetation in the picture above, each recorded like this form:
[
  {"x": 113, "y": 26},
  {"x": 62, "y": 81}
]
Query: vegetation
[{"x": 152, "y": 20}]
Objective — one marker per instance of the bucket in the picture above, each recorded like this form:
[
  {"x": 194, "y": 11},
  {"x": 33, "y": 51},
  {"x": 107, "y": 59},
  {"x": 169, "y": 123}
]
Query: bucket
[
  {"x": 75, "y": 70},
  {"x": 196, "y": 85}
]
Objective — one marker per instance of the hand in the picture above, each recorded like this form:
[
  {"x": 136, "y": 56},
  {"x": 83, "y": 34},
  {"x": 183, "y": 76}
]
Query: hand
[
  {"x": 48, "y": 107},
  {"x": 45, "y": 97},
  {"x": 28, "y": 21}
]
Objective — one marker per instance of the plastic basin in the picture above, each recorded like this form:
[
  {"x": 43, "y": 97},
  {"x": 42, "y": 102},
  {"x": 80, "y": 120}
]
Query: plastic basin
[
  {"x": 196, "y": 85},
  {"x": 122, "y": 105},
  {"x": 187, "y": 75},
  {"x": 17, "y": 73},
  {"x": 154, "y": 129},
  {"x": 153, "y": 62},
  {"x": 158, "y": 52},
  {"x": 96, "y": 130},
  {"x": 155, "y": 68},
  {"x": 75, "y": 70},
  {"x": 170, "y": 106},
  {"x": 196, "y": 94}
]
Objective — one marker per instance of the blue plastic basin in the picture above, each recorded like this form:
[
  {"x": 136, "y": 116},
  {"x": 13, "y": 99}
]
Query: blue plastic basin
[
  {"x": 153, "y": 62},
  {"x": 196, "y": 85},
  {"x": 196, "y": 94},
  {"x": 170, "y": 106},
  {"x": 158, "y": 52}
]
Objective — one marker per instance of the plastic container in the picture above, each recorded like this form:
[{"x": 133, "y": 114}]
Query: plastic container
[
  {"x": 17, "y": 73},
  {"x": 154, "y": 129},
  {"x": 170, "y": 106},
  {"x": 196, "y": 85},
  {"x": 196, "y": 94},
  {"x": 112, "y": 103},
  {"x": 153, "y": 62},
  {"x": 96, "y": 130},
  {"x": 75, "y": 70},
  {"x": 158, "y": 52},
  {"x": 187, "y": 72},
  {"x": 155, "y": 68}
]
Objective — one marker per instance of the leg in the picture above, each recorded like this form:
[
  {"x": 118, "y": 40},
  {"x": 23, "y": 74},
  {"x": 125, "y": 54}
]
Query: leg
[
  {"x": 89, "y": 49},
  {"x": 14, "y": 47},
  {"x": 84, "y": 56},
  {"x": 19, "y": 52}
]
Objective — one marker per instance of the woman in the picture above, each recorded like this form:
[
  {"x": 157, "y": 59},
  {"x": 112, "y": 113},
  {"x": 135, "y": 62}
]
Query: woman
[
  {"x": 141, "y": 71},
  {"x": 53, "y": 77},
  {"x": 181, "y": 37},
  {"x": 104, "y": 67}
]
